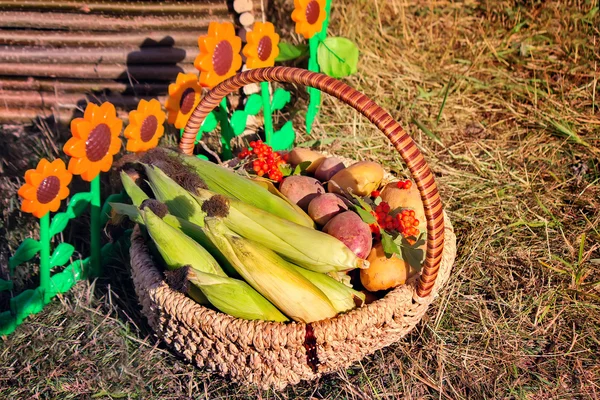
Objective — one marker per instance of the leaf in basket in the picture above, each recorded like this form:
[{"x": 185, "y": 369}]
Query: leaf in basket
[
  {"x": 412, "y": 253},
  {"x": 389, "y": 246},
  {"x": 302, "y": 167},
  {"x": 366, "y": 216},
  {"x": 289, "y": 51},
  {"x": 286, "y": 169},
  {"x": 337, "y": 57},
  {"x": 283, "y": 139},
  {"x": 280, "y": 98}
]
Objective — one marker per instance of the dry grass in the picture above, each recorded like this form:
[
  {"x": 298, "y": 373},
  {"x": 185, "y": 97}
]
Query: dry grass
[{"x": 501, "y": 98}]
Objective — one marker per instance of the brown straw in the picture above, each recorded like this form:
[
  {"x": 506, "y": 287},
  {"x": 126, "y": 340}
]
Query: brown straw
[{"x": 377, "y": 115}]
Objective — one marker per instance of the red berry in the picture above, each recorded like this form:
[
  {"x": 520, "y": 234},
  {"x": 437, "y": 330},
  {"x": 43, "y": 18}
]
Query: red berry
[{"x": 375, "y": 194}]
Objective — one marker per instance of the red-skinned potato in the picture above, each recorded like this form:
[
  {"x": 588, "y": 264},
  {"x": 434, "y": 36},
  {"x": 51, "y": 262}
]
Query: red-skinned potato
[
  {"x": 324, "y": 207},
  {"x": 299, "y": 155},
  {"x": 351, "y": 230},
  {"x": 301, "y": 190},
  {"x": 328, "y": 168},
  {"x": 360, "y": 178}
]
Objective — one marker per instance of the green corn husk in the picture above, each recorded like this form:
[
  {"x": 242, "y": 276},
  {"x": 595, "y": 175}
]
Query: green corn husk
[
  {"x": 231, "y": 296},
  {"x": 135, "y": 193},
  {"x": 341, "y": 296},
  {"x": 192, "y": 230},
  {"x": 177, "y": 249},
  {"x": 306, "y": 247},
  {"x": 271, "y": 276},
  {"x": 228, "y": 183},
  {"x": 178, "y": 200}
]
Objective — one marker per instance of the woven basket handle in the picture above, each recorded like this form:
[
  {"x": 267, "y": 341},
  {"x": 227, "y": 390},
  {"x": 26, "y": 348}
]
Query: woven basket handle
[{"x": 377, "y": 115}]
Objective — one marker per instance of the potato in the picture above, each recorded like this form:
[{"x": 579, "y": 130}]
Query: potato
[
  {"x": 325, "y": 206},
  {"x": 384, "y": 273},
  {"x": 299, "y": 155},
  {"x": 405, "y": 198},
  {"x": 360, "y": 178},
  {"x": 328, "y": 168},
  {"x": 300, "y": 190},
  {"x": 350, "y": 229}
]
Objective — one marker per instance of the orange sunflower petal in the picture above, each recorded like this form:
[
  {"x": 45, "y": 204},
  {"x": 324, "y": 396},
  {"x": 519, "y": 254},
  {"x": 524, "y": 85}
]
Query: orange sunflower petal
[{"x": 219, "y": 56}]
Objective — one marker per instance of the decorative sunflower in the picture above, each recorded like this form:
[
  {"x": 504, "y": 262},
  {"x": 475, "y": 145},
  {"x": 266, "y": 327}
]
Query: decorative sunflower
[
  {"x": 219, "y": 56},
  {"x": 309, "y": 16},
  {"x": 262, "y": 46},
  {"x": 184, "y": 96},
  {"x": 45, "y": 187},
  {"x": 145, "y": 126},
  {"x": 95, "y": 141}
]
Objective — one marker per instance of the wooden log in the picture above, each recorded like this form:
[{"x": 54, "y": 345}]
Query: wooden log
[
  {"x": 90, "y": 71},
  {"x": 82, "y": 86},
  {"x": 122, "y": 55}
]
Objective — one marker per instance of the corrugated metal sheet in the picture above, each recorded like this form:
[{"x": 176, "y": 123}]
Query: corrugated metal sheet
[{"x": 55, "y": 55}]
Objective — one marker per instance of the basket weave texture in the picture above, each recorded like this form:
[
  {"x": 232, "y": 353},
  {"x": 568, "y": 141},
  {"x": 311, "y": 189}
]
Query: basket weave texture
[{"x": 274, "y": 355}]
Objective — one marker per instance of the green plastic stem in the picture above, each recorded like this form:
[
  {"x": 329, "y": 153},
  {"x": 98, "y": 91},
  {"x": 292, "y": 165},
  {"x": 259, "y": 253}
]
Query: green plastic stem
[
  {"x": 314, "y": 100},
  {"x": 45, "y": 258},
  {"x": 226, "y": 130},
  {"x": 266, "y": 98},
  {"x": 95, "y": 227}
]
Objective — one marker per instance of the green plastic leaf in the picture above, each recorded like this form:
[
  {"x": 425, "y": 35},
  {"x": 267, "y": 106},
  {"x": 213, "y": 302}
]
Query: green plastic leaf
[
  {"x": 238, "y": 122},
  {"x": 79, "y": 202},
  {"x": 389, "y": 246},
  {"x": 77, "y": 206},
  {"x": 291, "y": 52},
  {"x": 337, "y": 57},
  {"x": 61, "y": 254},
  {"x": 26, "y": 251},
  {"x": 253, "y": 104},
  {"x": 283, "y": 139},
  {"x": 5, "y": 285},
  {"x": 280, "y": 98},
  {"x": 210, "y": 123}
]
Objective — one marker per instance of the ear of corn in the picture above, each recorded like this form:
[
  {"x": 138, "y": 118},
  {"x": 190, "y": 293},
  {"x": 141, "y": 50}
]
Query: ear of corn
[
  {"x": 135, "y": 193},
  {"x": 192, "y": 230},
  {"x": 176, "y": 248},
  {"x": 271, "y": 276},
  {"x": 228, "y": 183},
  {"x": 341, "y": 296},
  {"x": 178, "y": 200},
  {"x": 306, "y": 247},
  {"x": 233, "y": 297}
]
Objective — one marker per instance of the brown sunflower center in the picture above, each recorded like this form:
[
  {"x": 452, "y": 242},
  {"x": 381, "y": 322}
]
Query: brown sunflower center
[
  {"x": 313, "y": 10},
  {"x": 148, "y": 128},
  {"x": 265, "y": 45},
  {"x": 48, "y": 189},
  {"x": 222, "y": 57},
  {"x": 98, "y": 143},
  {"x": 187, "y": 100}
]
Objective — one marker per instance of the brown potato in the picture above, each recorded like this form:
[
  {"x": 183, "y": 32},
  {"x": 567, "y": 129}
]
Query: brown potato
[
  {"x": 384, "y": 273},
  {"x": 350, "y": 229},
  {"x": 360, "y": 178},
  {"x": 301, "y": 190},
  {"x": 405, "y": 198},
  {"x": 324, "y": 207},
  {"x": 299, "y": 155},
  {"x": 328, "y": 168}
]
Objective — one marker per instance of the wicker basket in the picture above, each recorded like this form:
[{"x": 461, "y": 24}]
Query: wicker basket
[{"x": 274, "y": 355}]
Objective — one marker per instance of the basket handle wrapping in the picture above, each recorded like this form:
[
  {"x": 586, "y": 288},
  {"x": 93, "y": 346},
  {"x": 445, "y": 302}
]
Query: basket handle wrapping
[{"x": 377, "y": 115}]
